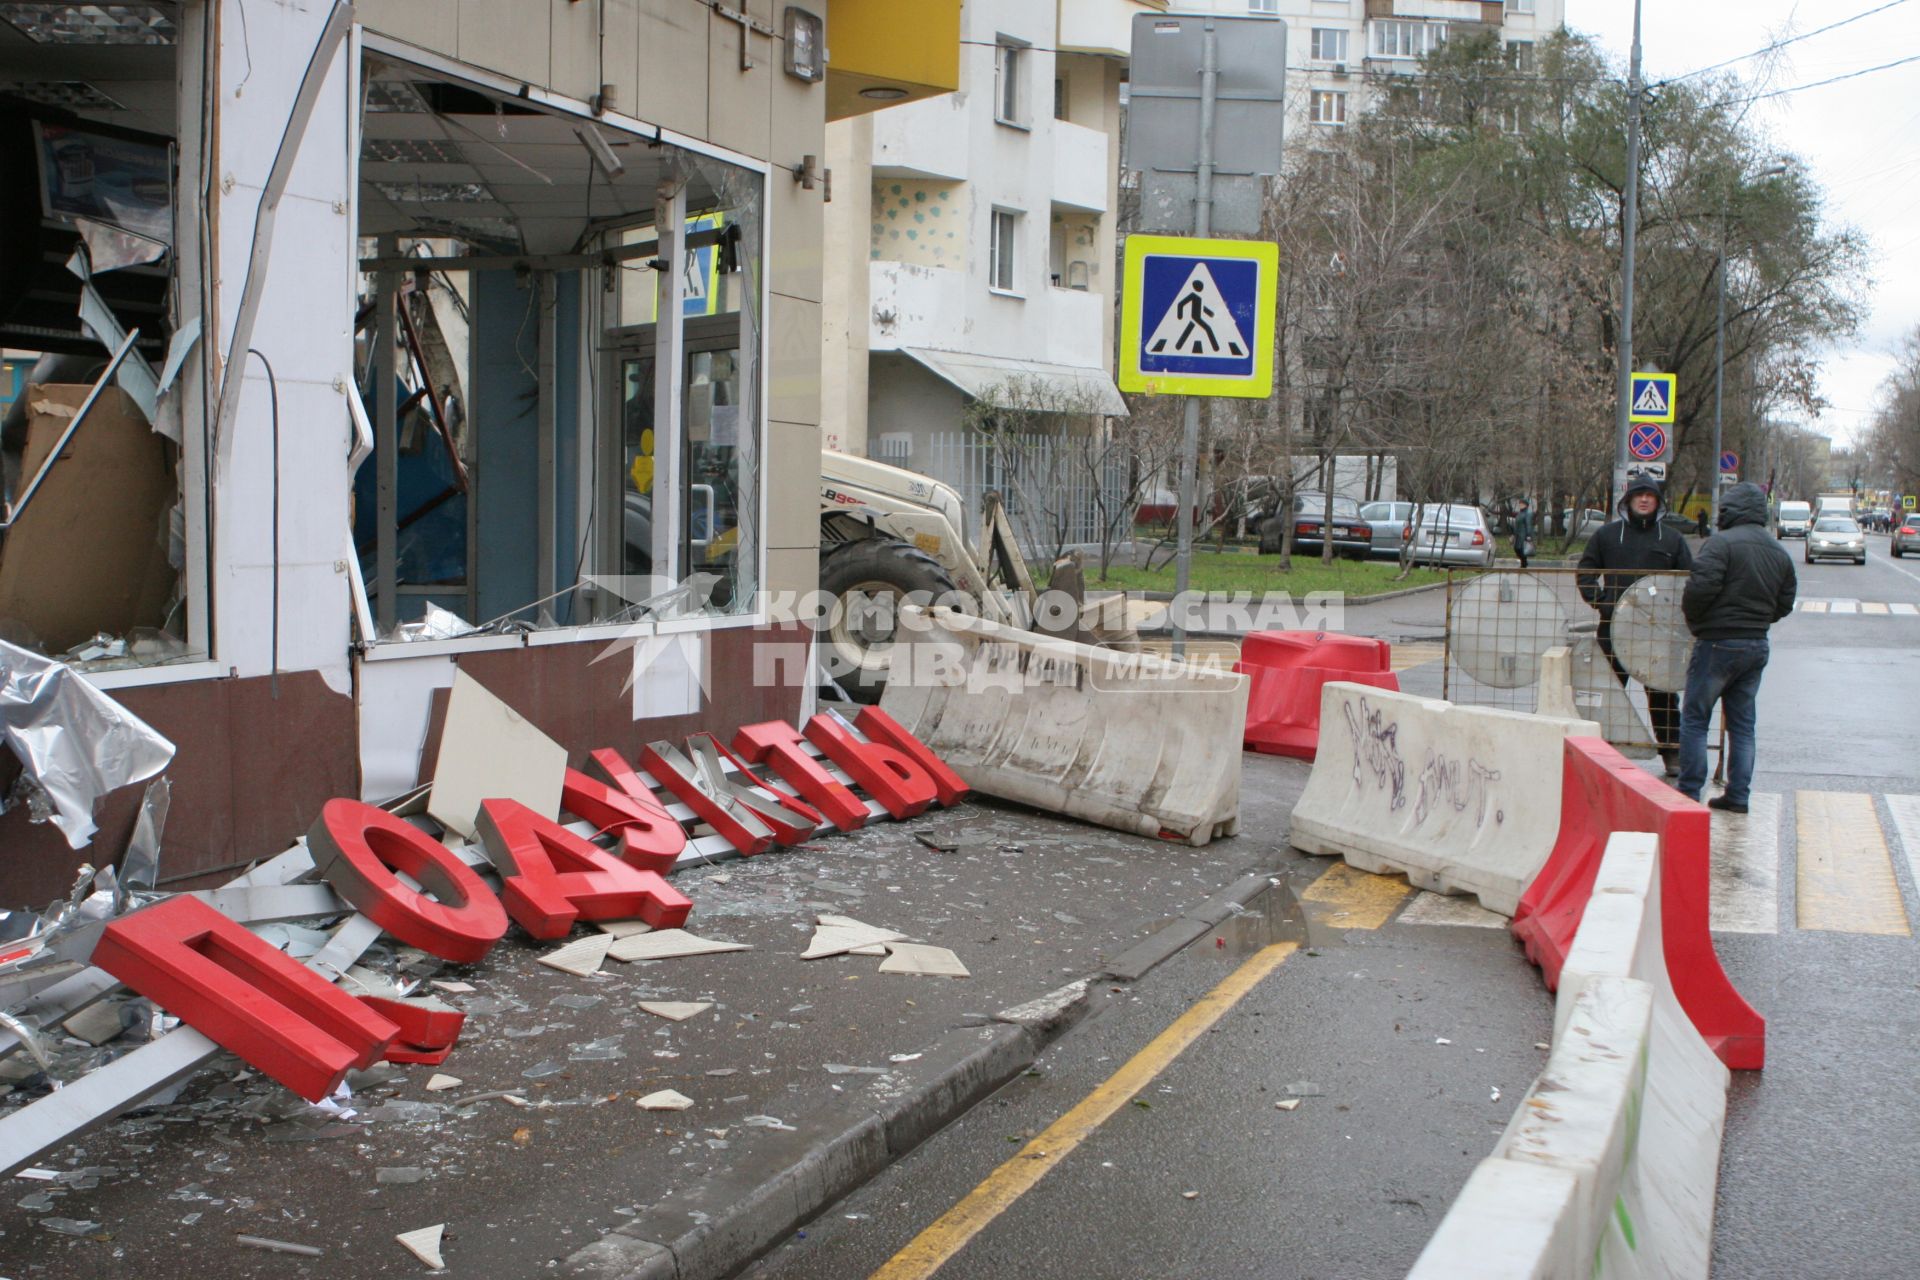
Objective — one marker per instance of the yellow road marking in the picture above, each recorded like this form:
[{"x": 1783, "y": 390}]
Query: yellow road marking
[
  {"x": 1870, "y": 607},
  {"x": 1413, "y": 655},
  {"x": 930, "y": 1250},
  {"x": 1356, "y": 899},
  {"x": 1814, "y": 606},
  {"x": 1846, "y": 882}
]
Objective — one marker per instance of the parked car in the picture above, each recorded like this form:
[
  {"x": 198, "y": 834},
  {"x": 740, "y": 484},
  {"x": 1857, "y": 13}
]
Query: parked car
[
  {"x": 1837, "y": 537},
  {"x": 1906, "y": 537},
  {"x": 1388, "y": 520},
  {"x": 1451, "y": 534},
  {"x": 1793, "y": 520},
  {"x": 1352, "y": 536},
  {"x": 1583, "y": 525}
]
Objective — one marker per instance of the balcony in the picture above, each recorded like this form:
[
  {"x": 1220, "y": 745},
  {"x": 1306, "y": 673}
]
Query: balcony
[
  {"x": 916, "y": 306},
  {"x": 1076, "y": 327},
  {"x": 1079, "y": 167},
  {"x": 1102, "y": 26},
  {"x": 922, "y": 140}
]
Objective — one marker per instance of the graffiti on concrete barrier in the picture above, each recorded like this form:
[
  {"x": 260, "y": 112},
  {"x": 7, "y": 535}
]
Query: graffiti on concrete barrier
[
  {"x": 1461, "y": 784},
  {"x": 1376, "y": 751}
]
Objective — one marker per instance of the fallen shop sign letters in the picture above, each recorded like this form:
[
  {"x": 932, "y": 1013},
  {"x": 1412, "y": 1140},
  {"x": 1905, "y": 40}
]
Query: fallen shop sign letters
[{"x": 234, "y": 990}]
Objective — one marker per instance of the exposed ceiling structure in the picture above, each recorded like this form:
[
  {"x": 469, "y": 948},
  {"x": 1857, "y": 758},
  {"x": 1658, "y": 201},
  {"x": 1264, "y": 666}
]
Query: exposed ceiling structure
[
  {"x": 440, "y": 159},
  {"x": 111, "y": 63}
]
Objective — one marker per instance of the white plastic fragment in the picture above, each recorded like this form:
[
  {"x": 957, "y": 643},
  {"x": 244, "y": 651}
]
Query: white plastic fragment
[
  {"x": 665, "y": 1100},
  {"x": 581, "y": 957},
  {"x": 279, "y": 1246},
  {"x": 915, "y": 958},
  {"x": 675, "y": 1010},
  {"x": 669, "y": 944},
  {"x": 438, "y": 1082},
  {"x": 837, "y": 935},
  {"x": 1287, "y": 1104},
  {"x": 424, "y": 1244},
  {"x": 623, "y": 928},
  {"x": 455, "y": 988}
]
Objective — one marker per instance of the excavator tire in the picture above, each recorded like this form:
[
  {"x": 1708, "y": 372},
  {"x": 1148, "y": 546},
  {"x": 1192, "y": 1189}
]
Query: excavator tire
[{"x": 859, "y": 644}]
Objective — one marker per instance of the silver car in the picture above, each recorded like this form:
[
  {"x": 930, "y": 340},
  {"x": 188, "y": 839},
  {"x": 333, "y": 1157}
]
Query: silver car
[
  {"x": 1389, "y": 522},
  {"x": 1836, "y": 537},
  {"x": 1452, "y": 534}
]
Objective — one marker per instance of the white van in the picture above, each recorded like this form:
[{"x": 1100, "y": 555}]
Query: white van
[{"x": 1793, "y": 520}]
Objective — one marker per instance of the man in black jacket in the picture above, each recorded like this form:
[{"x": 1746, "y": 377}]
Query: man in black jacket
[
  {"x": 1636, "y": 542},
  {"x": 1742, "y": 584}
]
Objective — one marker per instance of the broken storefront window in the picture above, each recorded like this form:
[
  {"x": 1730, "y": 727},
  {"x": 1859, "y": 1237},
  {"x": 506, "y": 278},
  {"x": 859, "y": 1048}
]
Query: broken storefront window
[{"x": 509, "y": 353}]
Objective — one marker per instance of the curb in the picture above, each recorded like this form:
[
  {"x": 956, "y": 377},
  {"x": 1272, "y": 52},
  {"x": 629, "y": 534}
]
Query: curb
[
  {"x": 718, "y": 1225},
  {"x": 1215, "y": 597}
]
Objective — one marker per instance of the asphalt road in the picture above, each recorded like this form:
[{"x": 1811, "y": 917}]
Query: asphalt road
[{"x": 1815, "y": 895}]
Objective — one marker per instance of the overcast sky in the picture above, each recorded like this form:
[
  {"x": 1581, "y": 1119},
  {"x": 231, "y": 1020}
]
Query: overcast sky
[{"x": 1860, "y": 138}]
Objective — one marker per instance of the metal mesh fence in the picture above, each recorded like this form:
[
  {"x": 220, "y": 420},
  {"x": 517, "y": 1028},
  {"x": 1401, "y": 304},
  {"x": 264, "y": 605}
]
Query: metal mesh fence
[{"x": 1628, "y": 645}]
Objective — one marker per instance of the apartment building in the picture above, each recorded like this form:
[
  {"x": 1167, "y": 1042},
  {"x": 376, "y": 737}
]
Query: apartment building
[{"x": 975, "y": 249}]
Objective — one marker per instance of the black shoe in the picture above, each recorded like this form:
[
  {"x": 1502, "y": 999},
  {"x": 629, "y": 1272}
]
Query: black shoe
[
  {"x": 1671, "y": 759},
  {"x": 1725, "y": 805}
]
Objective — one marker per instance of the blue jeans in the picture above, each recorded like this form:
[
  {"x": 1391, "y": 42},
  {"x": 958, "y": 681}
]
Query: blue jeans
[{"x": 1727, "y": 672}]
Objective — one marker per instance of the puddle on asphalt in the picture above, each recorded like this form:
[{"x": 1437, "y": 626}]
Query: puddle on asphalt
[{"x": 1273, "y": 915}]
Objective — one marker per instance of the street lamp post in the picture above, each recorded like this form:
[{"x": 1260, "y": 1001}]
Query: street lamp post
[{"x": 1720, "y": 335}]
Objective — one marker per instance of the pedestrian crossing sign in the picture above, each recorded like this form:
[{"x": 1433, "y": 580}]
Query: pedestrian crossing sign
[
  {"x": 1198, "y": 318},
  {"x": 1651, "y": 397}
]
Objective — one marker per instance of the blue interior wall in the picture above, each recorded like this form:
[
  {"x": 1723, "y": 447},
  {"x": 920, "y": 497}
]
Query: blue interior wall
[{"x": 505, "y": 408}]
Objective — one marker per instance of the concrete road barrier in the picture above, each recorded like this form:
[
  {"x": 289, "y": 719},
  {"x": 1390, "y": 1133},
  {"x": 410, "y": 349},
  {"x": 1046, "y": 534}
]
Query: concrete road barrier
[
  {"x": 1461, "y": 799},
  {"x": 1288, "y": 669},
  {"x": 1127, "y": 740},
  {"x": 1627, "y": 1118},
  {"x": 1602, "y": 792}
]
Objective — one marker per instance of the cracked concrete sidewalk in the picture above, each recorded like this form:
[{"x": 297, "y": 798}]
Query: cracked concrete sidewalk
[{"x": 806, "y": 1076}]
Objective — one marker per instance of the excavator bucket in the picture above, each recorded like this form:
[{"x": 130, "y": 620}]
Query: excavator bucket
[{"x": 1132, "y": 741}]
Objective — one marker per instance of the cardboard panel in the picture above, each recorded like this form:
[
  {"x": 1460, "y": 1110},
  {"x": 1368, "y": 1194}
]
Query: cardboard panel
[{"x": 89, "y": 552}]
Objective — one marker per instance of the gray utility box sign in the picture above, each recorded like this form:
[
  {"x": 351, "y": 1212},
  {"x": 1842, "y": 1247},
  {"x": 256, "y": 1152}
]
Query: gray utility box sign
[{"x": 1163, "y": 117}]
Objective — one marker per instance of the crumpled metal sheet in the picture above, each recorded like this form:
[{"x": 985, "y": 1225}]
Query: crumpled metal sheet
[{"x": 76, "y": 743}]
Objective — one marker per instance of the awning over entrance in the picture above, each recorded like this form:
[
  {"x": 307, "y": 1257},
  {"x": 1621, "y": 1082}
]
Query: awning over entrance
[{"x": 1025, "y": 384}]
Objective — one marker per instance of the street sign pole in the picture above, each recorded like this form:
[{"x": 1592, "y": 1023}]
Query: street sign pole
[
  {"x": 1629, "y": 229},
  {"x": 1190, "y": 432},
  {"x": 1719, "y": 356}
]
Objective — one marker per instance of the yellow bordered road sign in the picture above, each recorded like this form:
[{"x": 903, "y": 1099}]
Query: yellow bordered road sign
[
  {"x": 1198, "y": 319},
  {"x": 1650, "y": 397}
]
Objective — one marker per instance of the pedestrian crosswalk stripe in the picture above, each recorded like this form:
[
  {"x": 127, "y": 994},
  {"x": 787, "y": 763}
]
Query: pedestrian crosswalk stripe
[
  {"x": 1873, "y": 607},
  {"x": 1906, "y": 825},
  {"x": 1845, "y": 877},
  {"x": 1744, "y": 893}
]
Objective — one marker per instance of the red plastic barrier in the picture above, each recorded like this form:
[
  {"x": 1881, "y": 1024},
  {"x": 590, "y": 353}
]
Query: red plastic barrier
[
  {"x": 1285, "y": 671},
  {"x": 275, "y": 1013},
  {"x": 1603, "y": 792}
]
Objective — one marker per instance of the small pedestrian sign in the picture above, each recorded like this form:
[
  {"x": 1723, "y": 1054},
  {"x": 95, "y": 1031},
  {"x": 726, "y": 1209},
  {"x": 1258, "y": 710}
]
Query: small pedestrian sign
[
  {"x": 1650, "y": 397},
  {"x": 1907, "y": 503},
  {"x": 1199, "y": 316},
  {"x": 1647, "y": 441}
]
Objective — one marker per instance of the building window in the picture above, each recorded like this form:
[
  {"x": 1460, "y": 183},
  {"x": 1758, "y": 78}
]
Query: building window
[
  {"x": 1263, "y": 6},
  {"x": 1059, "y": 98},
  {"x": 1009, "y": 66},
  {"x": 1002, "y": 243},
  {"x": 1519, "y": 6},
  {"x": 1329, "y": 107},
  {"x": 1520, "y": 55},
  {"x": 1329, "y": 44},
  {"x": 1407, "y": 39}
]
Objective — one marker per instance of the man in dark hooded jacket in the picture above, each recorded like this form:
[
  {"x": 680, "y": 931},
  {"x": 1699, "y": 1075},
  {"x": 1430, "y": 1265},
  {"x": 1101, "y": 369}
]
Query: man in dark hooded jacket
[
  {"x": 1636, "y": 542},
  {"x": 1742, "y": 584}
]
